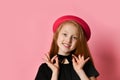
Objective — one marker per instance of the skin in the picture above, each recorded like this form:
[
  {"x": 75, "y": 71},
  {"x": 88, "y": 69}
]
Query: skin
[{"x": 66, "y": 42}]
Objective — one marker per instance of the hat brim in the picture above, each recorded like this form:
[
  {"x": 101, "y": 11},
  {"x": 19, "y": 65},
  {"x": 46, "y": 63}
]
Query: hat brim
[{"x": 80, "y": 21}]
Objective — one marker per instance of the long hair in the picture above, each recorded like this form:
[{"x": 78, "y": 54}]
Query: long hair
[{"x": 81, "y": 45}]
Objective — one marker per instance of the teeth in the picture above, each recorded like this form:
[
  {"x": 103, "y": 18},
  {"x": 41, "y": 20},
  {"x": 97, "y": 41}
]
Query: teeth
[{"x": 66, "y": 45}]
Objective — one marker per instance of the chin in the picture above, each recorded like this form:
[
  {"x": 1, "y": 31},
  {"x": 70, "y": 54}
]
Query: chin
[{"x": 66, "y": 52}]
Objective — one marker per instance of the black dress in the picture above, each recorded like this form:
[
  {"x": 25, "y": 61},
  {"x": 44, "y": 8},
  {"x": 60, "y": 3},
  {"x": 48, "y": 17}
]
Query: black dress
[{"x": 66, "y": 70}]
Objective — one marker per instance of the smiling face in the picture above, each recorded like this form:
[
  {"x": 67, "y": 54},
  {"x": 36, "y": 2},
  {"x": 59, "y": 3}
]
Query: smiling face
[{"x": 67, "y": 38}]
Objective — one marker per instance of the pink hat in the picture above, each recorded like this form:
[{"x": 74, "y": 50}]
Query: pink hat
[{"x": 84, "y": 25}]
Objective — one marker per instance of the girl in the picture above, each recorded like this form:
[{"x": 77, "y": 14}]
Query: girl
[{"x": 69, "y": 57}]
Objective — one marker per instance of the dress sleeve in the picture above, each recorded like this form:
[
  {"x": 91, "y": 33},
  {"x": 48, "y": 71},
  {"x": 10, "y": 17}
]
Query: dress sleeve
[
  {"x": 90, "y": 69},
  {"x": 44, "y": 73}
]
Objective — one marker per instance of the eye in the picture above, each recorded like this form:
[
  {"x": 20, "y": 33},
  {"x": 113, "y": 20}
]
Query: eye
[
  {"x": 64, "y": 34},
  {"x": 74, "y": 38}
]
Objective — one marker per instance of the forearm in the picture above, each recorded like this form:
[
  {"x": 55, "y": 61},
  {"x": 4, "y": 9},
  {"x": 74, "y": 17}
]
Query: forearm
[
  {"x": 54, "y": 76},
  {"x": 82, "y": 75}
]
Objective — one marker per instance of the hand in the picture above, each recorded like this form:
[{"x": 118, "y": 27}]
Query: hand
[
  {"x": 79, "y": 62},
  {"x": 52, "y": 63}
]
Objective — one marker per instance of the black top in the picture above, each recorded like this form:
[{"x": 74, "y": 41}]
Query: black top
[{"x": 66, "y": 70}]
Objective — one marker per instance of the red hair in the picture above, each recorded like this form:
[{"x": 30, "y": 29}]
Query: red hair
[{"x": 81, "y": 45}]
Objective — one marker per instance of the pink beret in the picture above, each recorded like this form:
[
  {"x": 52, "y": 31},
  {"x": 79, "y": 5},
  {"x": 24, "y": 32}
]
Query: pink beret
[{"x": 80, "y": 21}]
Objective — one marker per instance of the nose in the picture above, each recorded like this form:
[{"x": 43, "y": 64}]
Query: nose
[{"x": 69, "y": 39}]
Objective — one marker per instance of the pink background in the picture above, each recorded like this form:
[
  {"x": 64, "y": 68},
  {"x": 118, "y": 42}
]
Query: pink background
[{"x": 26, "y": 34}]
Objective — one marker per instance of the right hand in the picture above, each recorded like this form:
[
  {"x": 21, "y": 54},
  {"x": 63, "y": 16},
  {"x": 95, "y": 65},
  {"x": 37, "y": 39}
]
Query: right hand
[{"x": 52, "y": 63}]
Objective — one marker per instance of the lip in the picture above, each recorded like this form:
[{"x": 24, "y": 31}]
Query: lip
[{"x": 66, "y": 45}]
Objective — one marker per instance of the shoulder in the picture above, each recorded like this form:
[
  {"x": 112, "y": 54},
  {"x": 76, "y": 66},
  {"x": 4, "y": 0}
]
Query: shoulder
[
  {"x": 89, "y": 63},
  {"x": 43, "y": 66},
  {"x": 44, "y": 72},
  {"x": 90, "y": 69},
  {"x": 44, "y": 69}
]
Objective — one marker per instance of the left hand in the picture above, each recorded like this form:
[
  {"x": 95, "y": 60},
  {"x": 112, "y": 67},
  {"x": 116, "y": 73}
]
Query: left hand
[
  {"x": 79, "y": 62},
  {"x": 53, "y": 66}
]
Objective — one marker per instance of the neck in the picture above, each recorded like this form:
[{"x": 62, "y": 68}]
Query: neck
[{"x": 64, "y": 54}]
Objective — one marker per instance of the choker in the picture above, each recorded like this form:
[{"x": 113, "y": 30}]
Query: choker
[{"x": 62, "y": 57}]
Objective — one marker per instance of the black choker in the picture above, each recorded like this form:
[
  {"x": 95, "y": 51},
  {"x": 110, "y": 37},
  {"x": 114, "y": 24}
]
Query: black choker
[{"x": 62, "y": 57}]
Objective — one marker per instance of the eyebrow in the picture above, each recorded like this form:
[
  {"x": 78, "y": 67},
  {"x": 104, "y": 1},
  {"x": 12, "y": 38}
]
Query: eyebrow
[{"x": 67, "y": 32}]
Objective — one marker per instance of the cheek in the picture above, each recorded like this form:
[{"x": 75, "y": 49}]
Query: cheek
[
  {"x": 74, "y": 43},
  {"x": 60, "y": 38}
]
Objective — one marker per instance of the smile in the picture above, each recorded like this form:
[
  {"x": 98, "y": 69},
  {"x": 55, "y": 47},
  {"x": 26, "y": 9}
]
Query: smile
[{"x": 66, "y": 45}]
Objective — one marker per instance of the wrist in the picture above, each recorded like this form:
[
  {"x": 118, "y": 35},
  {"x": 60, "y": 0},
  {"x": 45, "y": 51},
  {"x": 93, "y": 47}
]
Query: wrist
[
  {"x": 55, "y": 72},
  {"x": 55, "y": 75},
  {"x": 79, "y": 71},
  {"x": 82, "y": 74}
]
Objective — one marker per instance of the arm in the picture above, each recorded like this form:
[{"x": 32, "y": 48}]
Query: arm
[
  {"x": 54, "y": 76},
  {"x": 53, "y": 66},
  {"x": 78, "y": 63},
  {"x": 89, "y": 69},
  {"x": 83, "y": 76}
]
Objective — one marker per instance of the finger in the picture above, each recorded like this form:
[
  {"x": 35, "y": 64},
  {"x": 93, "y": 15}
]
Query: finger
[
  {"x": 56, "y": 60},
  {"x": 49, "y": 63},
  {"x": 52, "y": 60},
  {"x": 73, "y": 60},
  {"x": 47, "y": 56},
  {"x": 87, "y": 59},
  {"x": 75, "y": 57},
  {"x": 79, "y": 56},
  {"x": 82, "y": 57},
  {"x": 44, "y": 59},
  {"x": 47, "y": 60}
]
